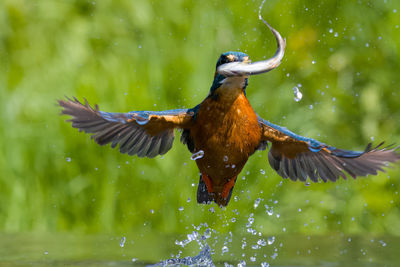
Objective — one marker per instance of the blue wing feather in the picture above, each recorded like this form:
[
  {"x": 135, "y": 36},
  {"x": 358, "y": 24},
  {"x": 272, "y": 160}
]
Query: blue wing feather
[
  {"x": 297, "y": 157},
  {"x": 313, "y": 144}
]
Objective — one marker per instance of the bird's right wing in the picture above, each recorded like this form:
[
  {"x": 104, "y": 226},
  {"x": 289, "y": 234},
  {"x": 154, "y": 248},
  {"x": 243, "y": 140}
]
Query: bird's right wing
[
  {"x": 142, "y": 133},
  {"x": 297, "y": 157}
]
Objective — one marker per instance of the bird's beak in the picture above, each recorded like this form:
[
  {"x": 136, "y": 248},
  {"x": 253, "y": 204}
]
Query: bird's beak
[{"x": 246, "y": 68}]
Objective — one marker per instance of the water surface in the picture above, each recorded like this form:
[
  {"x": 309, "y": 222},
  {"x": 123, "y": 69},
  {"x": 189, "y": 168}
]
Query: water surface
[{"x": 140, "y": 250}]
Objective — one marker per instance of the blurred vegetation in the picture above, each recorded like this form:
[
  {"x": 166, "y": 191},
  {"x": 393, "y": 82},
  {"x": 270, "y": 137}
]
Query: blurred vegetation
[{"x": 156, "y": 55}]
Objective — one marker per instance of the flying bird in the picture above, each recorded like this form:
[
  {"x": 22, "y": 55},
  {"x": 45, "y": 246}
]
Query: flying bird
[{"x": 223, "y": 131}]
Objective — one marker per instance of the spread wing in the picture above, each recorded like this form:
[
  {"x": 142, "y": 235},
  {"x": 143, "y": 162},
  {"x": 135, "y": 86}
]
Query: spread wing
[
  {"x": 142, "y": 133},
  {"x": 297, "y": 157}
]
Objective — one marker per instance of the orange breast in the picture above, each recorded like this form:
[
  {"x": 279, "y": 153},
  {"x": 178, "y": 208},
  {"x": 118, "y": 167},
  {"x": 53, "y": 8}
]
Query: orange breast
[{"x": 228, "y": 133}]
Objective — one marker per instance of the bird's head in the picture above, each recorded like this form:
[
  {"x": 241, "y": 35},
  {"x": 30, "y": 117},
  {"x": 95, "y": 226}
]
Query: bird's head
[
  {"x": 230, "y": 57},
  {"x": 232, "y": 64},
  {"x": 233, "y": 68}
]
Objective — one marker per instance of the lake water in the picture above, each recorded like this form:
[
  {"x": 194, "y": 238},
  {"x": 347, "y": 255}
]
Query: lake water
[{"x": 144, "y": 249}]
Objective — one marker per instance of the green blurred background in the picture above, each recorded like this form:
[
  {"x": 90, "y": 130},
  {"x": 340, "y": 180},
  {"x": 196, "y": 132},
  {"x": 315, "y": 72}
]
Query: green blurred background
[{"x": 156, "y": 55}]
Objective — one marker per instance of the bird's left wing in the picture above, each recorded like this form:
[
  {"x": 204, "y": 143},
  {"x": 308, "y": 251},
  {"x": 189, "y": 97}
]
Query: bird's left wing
[
  {"x": 297, "y": 157},
  {"x": 142, "y": 133}
]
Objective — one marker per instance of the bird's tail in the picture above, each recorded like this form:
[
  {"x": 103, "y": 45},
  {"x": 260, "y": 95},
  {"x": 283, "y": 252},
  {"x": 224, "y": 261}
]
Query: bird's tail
[{"x": 205, "y": 197}]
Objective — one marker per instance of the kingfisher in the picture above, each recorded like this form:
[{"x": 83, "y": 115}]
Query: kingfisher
[{"x": 223, "y": 131}]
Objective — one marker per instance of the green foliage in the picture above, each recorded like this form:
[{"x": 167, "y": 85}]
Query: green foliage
[{"x": 156, "y": 55}]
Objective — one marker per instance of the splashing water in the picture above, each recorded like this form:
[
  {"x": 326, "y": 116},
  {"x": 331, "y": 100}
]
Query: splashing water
[
  {"x": 122, "y": 242},
  {"x": 297, "y": 94},
  {"x": 202, "y": 259},
  {"x": 197, "y": 155},
  {"x": 271, "y": 240},
  {"x": 256, "y": 202},
  {"x": 259, "y": 12},
  {"x": 269, "y": 210},
  {"x": 140, "y": 120}
]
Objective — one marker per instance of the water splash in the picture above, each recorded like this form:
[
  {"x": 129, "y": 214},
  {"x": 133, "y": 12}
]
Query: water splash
[
  {"x": 259, "y": 12},
  {"x": 141, "y": 120},
  {"x": 256, "y": 202},
  {"x": 202, "y": 259},
  {"x": 271, "y": 240},
  {"x": 297, "y": 94},
  {"x": 198, "y": 155},
  {"x": 122, "y": 242},
  {"x": 269, "y": 210}
]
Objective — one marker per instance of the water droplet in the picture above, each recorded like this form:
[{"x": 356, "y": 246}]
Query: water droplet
[
  {"x": 181, "y": 209},
  {"x": 382, "y": 243},
  {"x": 271, "y": 240},
  {"x": 242, "y": 264},
  {"x": 297, "y": 94},
  {"x": 251, "y": 221},
  {"x": 207, "y": 233},
  {"x": 152, "y": 211},
  {"x": 226, "y": 158},
  {"x": 264, "y": 264},
  {"x": 330, "y": 30},
  {"x": 313, "y": 62},
  {"x": 256, "y": 202},
  {"x": 261, "y": 242},
  {"x": 68, "y": 159},
  {"x": 189, "y": 199},
  {"x": 46, "y": 253},
  {"x": 262, "y": 171},
  {"x": 224, "y": 249},
  {"x": 197, "y": 155},
  {"x": 141, "y": 120},
  {"x": 269, "y": 210},
  {"x": 122, "y": 242},
  {"x": 244, "y": 244},
  {"x": 140, "y": 46}
]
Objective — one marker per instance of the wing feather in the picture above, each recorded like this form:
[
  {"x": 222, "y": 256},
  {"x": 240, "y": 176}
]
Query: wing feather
[
  {"x": 298, "y": 158},
  {"x": 142, "y": 133}
]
